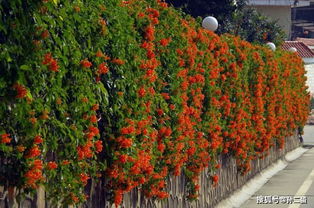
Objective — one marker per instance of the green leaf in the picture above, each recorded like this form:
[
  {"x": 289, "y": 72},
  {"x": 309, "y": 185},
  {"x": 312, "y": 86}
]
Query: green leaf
[
  {"x": 25, "y": 67},
  {"x": 9, "y": 59},
  {"x": 29, "y": 95}
]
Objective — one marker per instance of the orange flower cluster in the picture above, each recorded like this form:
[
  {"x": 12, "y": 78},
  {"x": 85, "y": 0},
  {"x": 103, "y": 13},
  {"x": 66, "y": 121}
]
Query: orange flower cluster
[
  {"x": 21, "y": 90},
  {"x": 52, "y": 165},
  {"x": 33, "y": 152},
  {"x": 85, "y": 63},
  {"x": 34, "y": 175},
  {"x": 51, "y": 62},
  {"x": 102, "y": 69},
  {"x": 85, "y": 151},
  {"x": 5, "y": 138},
  {"x": 84, "y": 178}
]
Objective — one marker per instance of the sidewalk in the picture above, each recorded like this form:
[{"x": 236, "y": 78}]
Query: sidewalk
[{"x": 294, "y": 183}]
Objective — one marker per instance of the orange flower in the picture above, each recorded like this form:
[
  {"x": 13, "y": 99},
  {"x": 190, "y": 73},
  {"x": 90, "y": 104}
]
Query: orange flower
[
  {"x": 124, "y": 142},
  {"x": 21, "y": 90},
  {"x": 102, "y": 22},
  {"x": 77, "y": 8},
  {"x": 164, "y": 42},
  {"x": 127, "y": 130},
  {"x": 162, "y": 195},
  {"x": 33, "y": 152},
  {"x": 38, "y": 139},
  {"x": 93, "y": 130},
  {"x": 5, "y": 139},
  {"x": 84, "y": 178},
  {"x": 85, "y": 63},
  {"x": 165, "y": 96},
  {"x": 123, "y": 158},
  {"x": 118, "y": 197},
  {"x": 93, "y": 119},
  {"x": 52, "y": 165},
  {"x": 141, "y": 92},
  {"x": 54, "y": 66},
  {"x": 95, "y": 107},
  {"x": 38, "y": 164},
  {"x": 118, "y": 61},
  {"x": 58, "y": 101},
  {"x": 44, "y": 115},
  {"x": 99, "y": 54},
  {"x": 98, "y": 146},
  {"x": 215, "y": 178},
  {"x": 84, "y": 99},
  {"x": 149, "y": 35},
  {"x": 160, "y": 112},
  {"x": 163, "y": 4},
  {"x": 141, "y": 15},
  {"x": 33, "y": 120},
  {"x": 33, "y": 176},
  {"x": 20, "y": 148},
  {"x": 161, "y": 147},
  {"x": 49, "y": 60},
  {"x": 65, "y": 162},
  {"x": 102, "y": 69},
  {"x": 44, "y": 34}
]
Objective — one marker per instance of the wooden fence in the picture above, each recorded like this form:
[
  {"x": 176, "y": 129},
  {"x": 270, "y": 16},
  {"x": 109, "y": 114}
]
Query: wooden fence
[{"x": 229, "y": 181}]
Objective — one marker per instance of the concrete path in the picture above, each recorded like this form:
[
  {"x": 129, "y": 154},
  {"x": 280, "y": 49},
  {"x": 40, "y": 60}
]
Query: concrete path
[{"x": 292, "y": 187}]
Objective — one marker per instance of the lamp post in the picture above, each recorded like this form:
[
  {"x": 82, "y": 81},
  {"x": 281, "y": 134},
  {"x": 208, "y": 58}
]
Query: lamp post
[
  {"x": 293, "y": 49},
  {"x": 210, "y": 23},
  {"x": 271, "y": 45}
]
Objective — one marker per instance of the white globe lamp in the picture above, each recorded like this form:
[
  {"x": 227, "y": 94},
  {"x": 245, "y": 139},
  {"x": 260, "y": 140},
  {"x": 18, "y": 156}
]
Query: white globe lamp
[
  {"x": 293, "y": 49},
  {"x": 271, "y": 45},
  {"x": 210, "y": 23}
]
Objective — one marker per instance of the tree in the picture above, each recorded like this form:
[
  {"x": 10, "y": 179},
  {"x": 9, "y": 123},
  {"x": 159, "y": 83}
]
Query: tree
[
  {"x": 255, "y": 27},
  {"x": 217, "y": 8},
  {"x": 235, "y": 17}
]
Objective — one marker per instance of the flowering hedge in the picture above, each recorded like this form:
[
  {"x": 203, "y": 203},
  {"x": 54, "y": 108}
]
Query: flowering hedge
[{"x": 133, "y": 91}]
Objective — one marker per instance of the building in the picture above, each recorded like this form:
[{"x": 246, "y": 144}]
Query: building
[
  {"x": 279, "y": 10},
  {"x": 303, "y": 23},
  {"x": 309, "y": 42},
  {"x": 307, "y": 56}
]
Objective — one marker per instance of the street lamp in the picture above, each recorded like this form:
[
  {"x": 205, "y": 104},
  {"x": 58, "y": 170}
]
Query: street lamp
[
  {"x": 293, "y": 49},
  {"x": 210, "y": 23},
  {"x": 271, "y": 45}
]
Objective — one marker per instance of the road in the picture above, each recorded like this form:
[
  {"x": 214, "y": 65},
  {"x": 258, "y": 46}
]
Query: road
[{"x": 294, "y": 183}]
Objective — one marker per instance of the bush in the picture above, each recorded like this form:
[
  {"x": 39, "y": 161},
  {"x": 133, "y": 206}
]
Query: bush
[{"x": 133, "y": 91}]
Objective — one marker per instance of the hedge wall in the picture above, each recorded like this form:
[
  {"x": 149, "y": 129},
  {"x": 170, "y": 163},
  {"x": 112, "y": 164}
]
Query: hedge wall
[{"x": 133, "y": 91}]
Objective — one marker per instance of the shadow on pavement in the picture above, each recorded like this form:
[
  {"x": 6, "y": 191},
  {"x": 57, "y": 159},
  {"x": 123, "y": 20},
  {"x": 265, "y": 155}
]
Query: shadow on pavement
[{"x": 308, "y": 146}]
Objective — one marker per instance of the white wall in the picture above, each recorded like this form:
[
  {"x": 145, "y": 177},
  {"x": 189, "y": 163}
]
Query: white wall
[
  {"x": 309, "y": 68},
  {"x": 279, "y": 2},
  {"x": 280, "y": 13}
]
